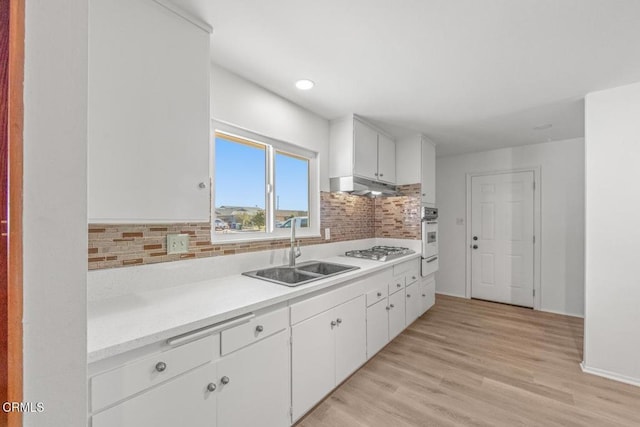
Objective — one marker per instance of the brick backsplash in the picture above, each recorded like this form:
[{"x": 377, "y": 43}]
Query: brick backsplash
[{"x": 349, "y": 218}]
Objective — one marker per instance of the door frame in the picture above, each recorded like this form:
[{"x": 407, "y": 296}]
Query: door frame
[{"x": 537, "y": 227}]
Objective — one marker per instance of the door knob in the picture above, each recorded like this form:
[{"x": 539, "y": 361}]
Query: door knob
[
  {"x": 475, "y": 246},
  {"x": 475, "y": 237}
]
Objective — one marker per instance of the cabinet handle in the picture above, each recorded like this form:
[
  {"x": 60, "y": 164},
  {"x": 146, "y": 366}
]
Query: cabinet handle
[
  {"x": 424, "y": 194},
  {"x": 333, "y": 323},
  {"x": 224, "y": 380},
  {"x": 211, "y": 387},
  {"x": 398, "y": 285},
  {"x": 339, "y": 320},
  {"x": 392, "y": 305},
  {"x": 161, "y": 366},
  {"x": 379, "y": 294},
  {"x": 413, "y": 277},
  {"x": 259, "y": 328},
  {"x": 375, "y": 174},
  {"x": 381, "y": 174},
  {"x": 424, "y": 295},
  {"x": 408, "y": 295}
]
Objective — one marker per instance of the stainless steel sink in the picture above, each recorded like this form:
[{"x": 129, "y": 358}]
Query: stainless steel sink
[{"x": 301, "y": 274}]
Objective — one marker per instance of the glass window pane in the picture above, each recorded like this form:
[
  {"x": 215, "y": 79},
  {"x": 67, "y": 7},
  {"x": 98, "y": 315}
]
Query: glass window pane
[
  {"x": 239, "y": 186},
  {"x": 292, "y": 190}
]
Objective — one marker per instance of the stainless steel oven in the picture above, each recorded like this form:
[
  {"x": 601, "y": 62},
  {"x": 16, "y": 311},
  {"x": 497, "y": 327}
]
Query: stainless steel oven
[{"x": 429, "y": 241}]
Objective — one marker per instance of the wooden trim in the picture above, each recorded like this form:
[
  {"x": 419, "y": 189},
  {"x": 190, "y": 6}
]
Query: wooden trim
[{"x": 12, "y": 93}]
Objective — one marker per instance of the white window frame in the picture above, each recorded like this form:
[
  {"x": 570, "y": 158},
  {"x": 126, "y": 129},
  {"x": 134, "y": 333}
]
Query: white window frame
[{"x": 272, "y": 146}]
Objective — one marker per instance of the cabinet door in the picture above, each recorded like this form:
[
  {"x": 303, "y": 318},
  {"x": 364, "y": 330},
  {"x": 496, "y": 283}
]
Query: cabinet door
[
  {"x": 377, "y": 327},
  {"x": 183, "y": 401},
  {"x": 396, "y": 313},
  {"x": 351, "y": 337},
  {"x": 427, "y": 293},
  {"x": 365, "y": 147},
  {"x": 148, "y": 115},
  {"x": 428, "y": 180},
  {"x": 412, "y": 294},
  {"x": 386, "y": 159},
  {"x": 312, "y": 361},
  {"x": 257, "y": 393}
]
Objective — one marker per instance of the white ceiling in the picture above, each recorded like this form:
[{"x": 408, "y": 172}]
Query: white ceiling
[{"x": 471, "y": 74}]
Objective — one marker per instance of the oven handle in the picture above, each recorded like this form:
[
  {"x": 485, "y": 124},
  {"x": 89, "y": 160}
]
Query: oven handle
[{"x": 430, "y": 260}]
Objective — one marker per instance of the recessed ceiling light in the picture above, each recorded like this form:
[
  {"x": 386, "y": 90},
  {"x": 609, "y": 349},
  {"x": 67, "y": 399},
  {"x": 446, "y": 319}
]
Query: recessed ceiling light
[
  {"x": 543, "y": 127},
  {"x": 305, "y": 84}
]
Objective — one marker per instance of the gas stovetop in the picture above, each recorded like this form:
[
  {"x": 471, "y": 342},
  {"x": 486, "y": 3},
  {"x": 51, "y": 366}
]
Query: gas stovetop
[{"x": 380, "y": 253}]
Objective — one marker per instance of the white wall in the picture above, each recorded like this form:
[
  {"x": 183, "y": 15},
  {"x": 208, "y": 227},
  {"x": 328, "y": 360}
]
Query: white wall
[
  {"x": 241, "y": 103},
  {"x": 55, "y": 212},
  {"x": 562, "y": 203},
  {"x": 612, "y": 338}
]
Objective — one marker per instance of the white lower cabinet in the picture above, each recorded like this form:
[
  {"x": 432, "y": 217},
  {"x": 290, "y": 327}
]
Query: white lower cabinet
[
  {"x": 377, "y": 327},
  {"x": 396, "y": 313},
  {"x": 257, "y": 390},
  {"x": 325, "y": 349},
  {"x": 413, "y": 304},
  {"x": 183, "y": 401},
  {"x": 427, "y": 291}
]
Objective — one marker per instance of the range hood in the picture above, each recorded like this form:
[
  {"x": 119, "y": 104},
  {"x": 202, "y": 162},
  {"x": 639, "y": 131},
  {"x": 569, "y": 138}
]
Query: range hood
[{"x": 361, "y": 186}]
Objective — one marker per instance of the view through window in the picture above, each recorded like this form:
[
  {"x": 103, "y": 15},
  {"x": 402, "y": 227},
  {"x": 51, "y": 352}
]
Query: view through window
[{"x": 243, "y": 201}]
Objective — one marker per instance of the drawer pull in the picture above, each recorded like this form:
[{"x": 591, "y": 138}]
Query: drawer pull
[
  {"x": 211, "y": 387},
  {"x": 339, "y": 320},
  {"x": 424, "y": 295},
  {"x": 408, "y": 295},
  {"x": 413, "y": 277},
  {"x": 379, "y": 294},
  {"x": 224, "y": 380},
  {"x": 333, "y": 323},
  {"x": 259, "y": 328},
  {"x": 161, "y": 366},
  {"x": 392, "y": 306},
  {"x": 388, "y": 308},
  {"x": 398, "y": 285},
  {"x": 209, "y": 330}
]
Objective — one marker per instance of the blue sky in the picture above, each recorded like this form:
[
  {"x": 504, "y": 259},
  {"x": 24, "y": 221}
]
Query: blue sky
[{"x": 240, "y": 177}]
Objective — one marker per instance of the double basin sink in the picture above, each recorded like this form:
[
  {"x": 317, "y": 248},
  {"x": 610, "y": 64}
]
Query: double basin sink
[{"x": 301, "y": 274}]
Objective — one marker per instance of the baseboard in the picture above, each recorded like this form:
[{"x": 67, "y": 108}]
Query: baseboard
[
  {"x": 450, "y": 295},
  {"x": 610, "y": 375},
  {"x": 562, "y": 312}
]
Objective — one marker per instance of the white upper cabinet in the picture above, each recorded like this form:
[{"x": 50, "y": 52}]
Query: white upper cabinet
[
  {"x": 357, "y": 148},
  {"x": 428, "y": 175},
  {"x": 148, "y": 114}
]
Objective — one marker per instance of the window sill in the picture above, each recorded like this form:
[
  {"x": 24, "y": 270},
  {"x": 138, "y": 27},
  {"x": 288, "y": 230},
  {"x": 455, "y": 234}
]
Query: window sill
[{"x": 216, "y": 238}]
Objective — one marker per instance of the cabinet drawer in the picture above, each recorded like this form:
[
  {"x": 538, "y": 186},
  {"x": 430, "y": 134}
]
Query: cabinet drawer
[
  {"x": 112, "y": 386},
  {"x": 396, "y": 284},
  {"x": 377, "y": 294},
  {"x": 412, "y": 275},
  {"x": 315, "y": 305},
  {"x": 259, "y": 327},
  {"x": 404, "y": 267}
]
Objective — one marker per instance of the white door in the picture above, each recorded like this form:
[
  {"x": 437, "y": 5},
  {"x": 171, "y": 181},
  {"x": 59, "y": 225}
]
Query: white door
[
  {"x": 386, "y": 159},
  {"x": 428, "y": 173},
  {"x": 396, "y": 313},
  {"x": 413, "y": 303},
  {"x": 257, "y": 393},
  {"x": 502, "y": 238},
  {"x": 377, "y": 327},
  {"x": 312, "y": 361},
  {"x": 365, "y": 151},
  {"x": 351, "y": 337},
  {"x": 182, "y": 401}
]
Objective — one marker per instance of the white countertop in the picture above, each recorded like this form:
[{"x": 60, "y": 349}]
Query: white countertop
[{"x": 127, "y": 322}]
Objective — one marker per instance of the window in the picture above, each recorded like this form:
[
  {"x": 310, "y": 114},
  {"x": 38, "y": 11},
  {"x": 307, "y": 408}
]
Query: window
[{"x": 262, "y": 187}]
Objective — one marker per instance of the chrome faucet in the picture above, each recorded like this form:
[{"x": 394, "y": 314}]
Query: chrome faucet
[{"x": 294, "y": 252}]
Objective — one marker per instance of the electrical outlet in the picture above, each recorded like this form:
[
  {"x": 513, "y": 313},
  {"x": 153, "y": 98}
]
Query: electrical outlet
[
  {"x": 327, "y": 234},
  {"x": 177, "y": 243}
]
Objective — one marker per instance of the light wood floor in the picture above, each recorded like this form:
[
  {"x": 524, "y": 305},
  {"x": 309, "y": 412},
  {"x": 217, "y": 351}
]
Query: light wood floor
[{"x": 468, "y": 362}]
